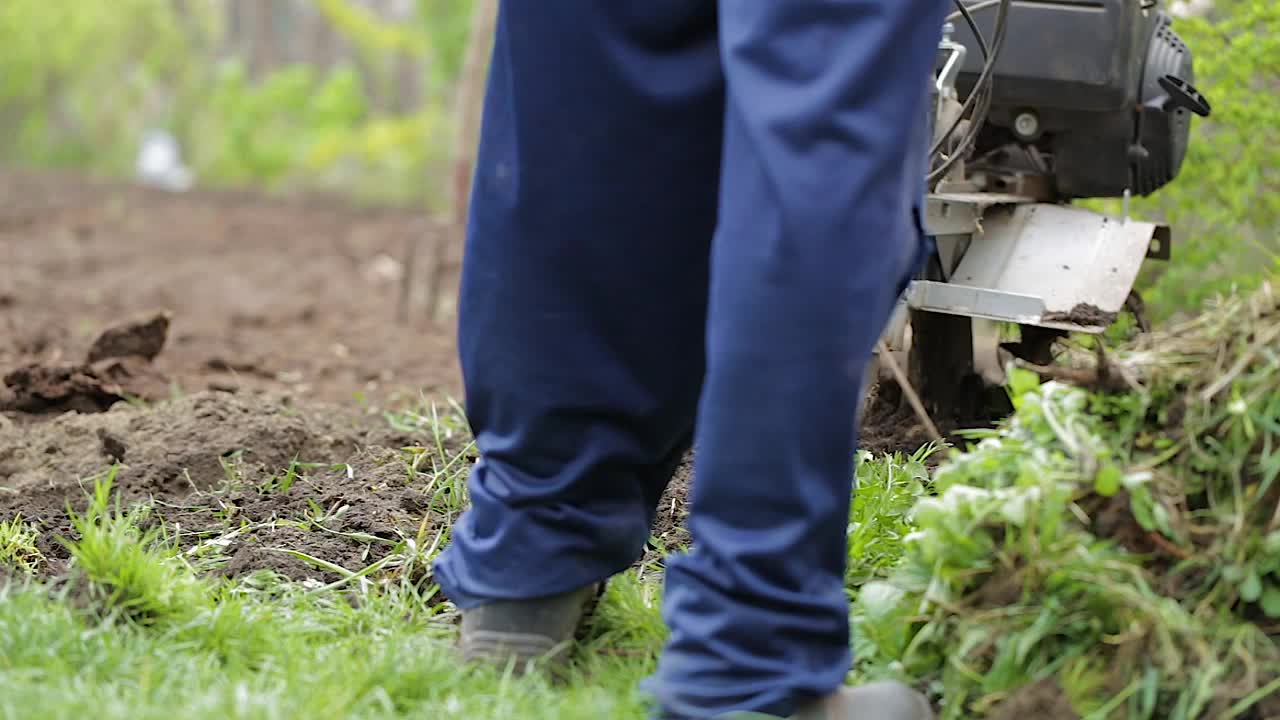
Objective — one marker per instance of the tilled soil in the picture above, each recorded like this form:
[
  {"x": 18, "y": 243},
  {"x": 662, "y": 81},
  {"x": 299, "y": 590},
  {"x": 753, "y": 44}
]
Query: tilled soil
[
  {"x": 202, "y": 344},
  {"x": 890, "y": 424},
  {"x": 239, "y": 481},
  {"x": 215, "y": 468},
  {"x": 294, "y": 295}
]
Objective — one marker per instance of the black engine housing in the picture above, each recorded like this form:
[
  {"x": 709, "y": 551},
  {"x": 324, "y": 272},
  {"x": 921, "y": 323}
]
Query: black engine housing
[{"x": 1090, "y": 74}]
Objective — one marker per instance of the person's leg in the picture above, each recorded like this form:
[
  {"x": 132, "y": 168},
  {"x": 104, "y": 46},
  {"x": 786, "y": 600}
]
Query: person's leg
[
  {"x": 817, "y": 237},
  {"x": 583, "y": 299}
]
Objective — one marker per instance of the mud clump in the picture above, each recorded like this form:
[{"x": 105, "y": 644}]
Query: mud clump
[
  {"x": 1083, "y": 314},
  {"x": 118, "y": 368},
  {"x": 43, "y": 389},
  {"x": 112, "y": 446},
  {"x": 144, "y": 339},
  {"x": 890, "y": 425},
  {"x": 65, "y": 388},
  {"x": 165, "y": 450}
]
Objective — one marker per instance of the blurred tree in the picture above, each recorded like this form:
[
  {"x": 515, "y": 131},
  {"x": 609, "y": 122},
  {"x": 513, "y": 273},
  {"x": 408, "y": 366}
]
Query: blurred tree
[
  {"x": 337, "y": 94},
  {"x": 364, "y": 96}
]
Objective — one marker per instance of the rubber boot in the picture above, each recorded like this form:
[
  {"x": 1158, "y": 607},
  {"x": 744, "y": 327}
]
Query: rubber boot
[{"x": 522, "y": 633}]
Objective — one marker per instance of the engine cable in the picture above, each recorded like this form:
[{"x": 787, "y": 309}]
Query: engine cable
[{"x": 978, "y": 103}]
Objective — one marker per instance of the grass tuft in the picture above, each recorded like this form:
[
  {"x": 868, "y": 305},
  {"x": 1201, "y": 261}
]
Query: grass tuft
[
  {"x": 129, "y": 571},
  {"x": 18, "y": 549}
]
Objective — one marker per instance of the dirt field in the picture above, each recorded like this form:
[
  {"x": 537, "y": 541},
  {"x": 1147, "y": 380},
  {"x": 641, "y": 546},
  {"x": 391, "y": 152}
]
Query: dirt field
[
  {"x": 256, "y": 334},
  {"x": 272, "y": 322},
  {"x": 298, "y": 296}
]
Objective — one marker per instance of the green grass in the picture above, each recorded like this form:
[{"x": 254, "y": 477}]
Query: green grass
[
  {"x": 18, "y": 551},
  {"x": 271, "y": 652},
  {"x": 135, "y": 630},
  {"x": 1119, "y": 550}
]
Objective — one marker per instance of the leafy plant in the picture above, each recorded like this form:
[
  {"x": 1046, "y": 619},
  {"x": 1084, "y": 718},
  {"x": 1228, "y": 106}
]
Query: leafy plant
[
  {"x": 1130, "y": 528},
  {"x": 78, "y": 92},
  {"x": 880, "y": 513},
  {"x": 18, "y": 549}
]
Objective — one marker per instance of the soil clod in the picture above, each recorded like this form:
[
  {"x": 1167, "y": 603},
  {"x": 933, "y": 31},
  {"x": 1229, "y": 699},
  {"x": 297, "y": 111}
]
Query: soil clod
[
  {"x": 112, "y": 446},
  {"x": 144, "y": 339},
  {"x": 117, "y": 368},
  {"x": 1083, "y": 314},
  {"x": 42, "y": 389}
]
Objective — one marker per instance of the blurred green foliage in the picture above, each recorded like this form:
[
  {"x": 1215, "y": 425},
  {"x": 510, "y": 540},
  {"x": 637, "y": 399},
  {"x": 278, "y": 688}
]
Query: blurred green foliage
[
  {"x": 72, "y": 75},
  {"x": 1224, "y": 207},
  {"x": 81, "y": 82}
]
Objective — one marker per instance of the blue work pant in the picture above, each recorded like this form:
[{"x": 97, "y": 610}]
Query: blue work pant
[{"x": 690, "y": 222}]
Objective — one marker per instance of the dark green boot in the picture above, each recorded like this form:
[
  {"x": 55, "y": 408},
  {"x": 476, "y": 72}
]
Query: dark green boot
[{"x": 539, "y": 630}]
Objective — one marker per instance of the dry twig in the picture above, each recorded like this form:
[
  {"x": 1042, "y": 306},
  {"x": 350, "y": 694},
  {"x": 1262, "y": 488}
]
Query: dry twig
[{"x": 909, "y": 391}]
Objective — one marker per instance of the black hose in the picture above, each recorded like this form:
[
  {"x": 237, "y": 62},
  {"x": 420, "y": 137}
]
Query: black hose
[
  {"x": 987, "y": 69},
  {"x": 973, "y": 8},
  {"x": 973, "y": 27},
  {"x": 978, "y": 104}
]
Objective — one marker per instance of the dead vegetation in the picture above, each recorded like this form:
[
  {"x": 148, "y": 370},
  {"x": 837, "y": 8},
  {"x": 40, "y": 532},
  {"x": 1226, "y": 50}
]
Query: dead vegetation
[{"x": 1113, "y": 547}]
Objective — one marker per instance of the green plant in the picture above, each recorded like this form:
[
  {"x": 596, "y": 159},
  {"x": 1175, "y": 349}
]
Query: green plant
[
  {"x": 1225, "y": 205},
  {"x": 880, "y": 513},
  {"x": 128, "y": 570},
  {"x": 76, "y": 74},
  {"x": 78, "y": 92},
  {"x": 18, "y": 549},
  {"x": 1128, "y": 526}
]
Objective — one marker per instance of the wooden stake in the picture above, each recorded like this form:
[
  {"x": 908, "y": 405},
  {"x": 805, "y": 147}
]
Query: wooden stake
[{"x": 468, "y": 107}]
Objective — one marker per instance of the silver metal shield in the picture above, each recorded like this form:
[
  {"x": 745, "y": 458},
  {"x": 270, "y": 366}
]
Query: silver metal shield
[{"x": 1043, "y": 264}]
